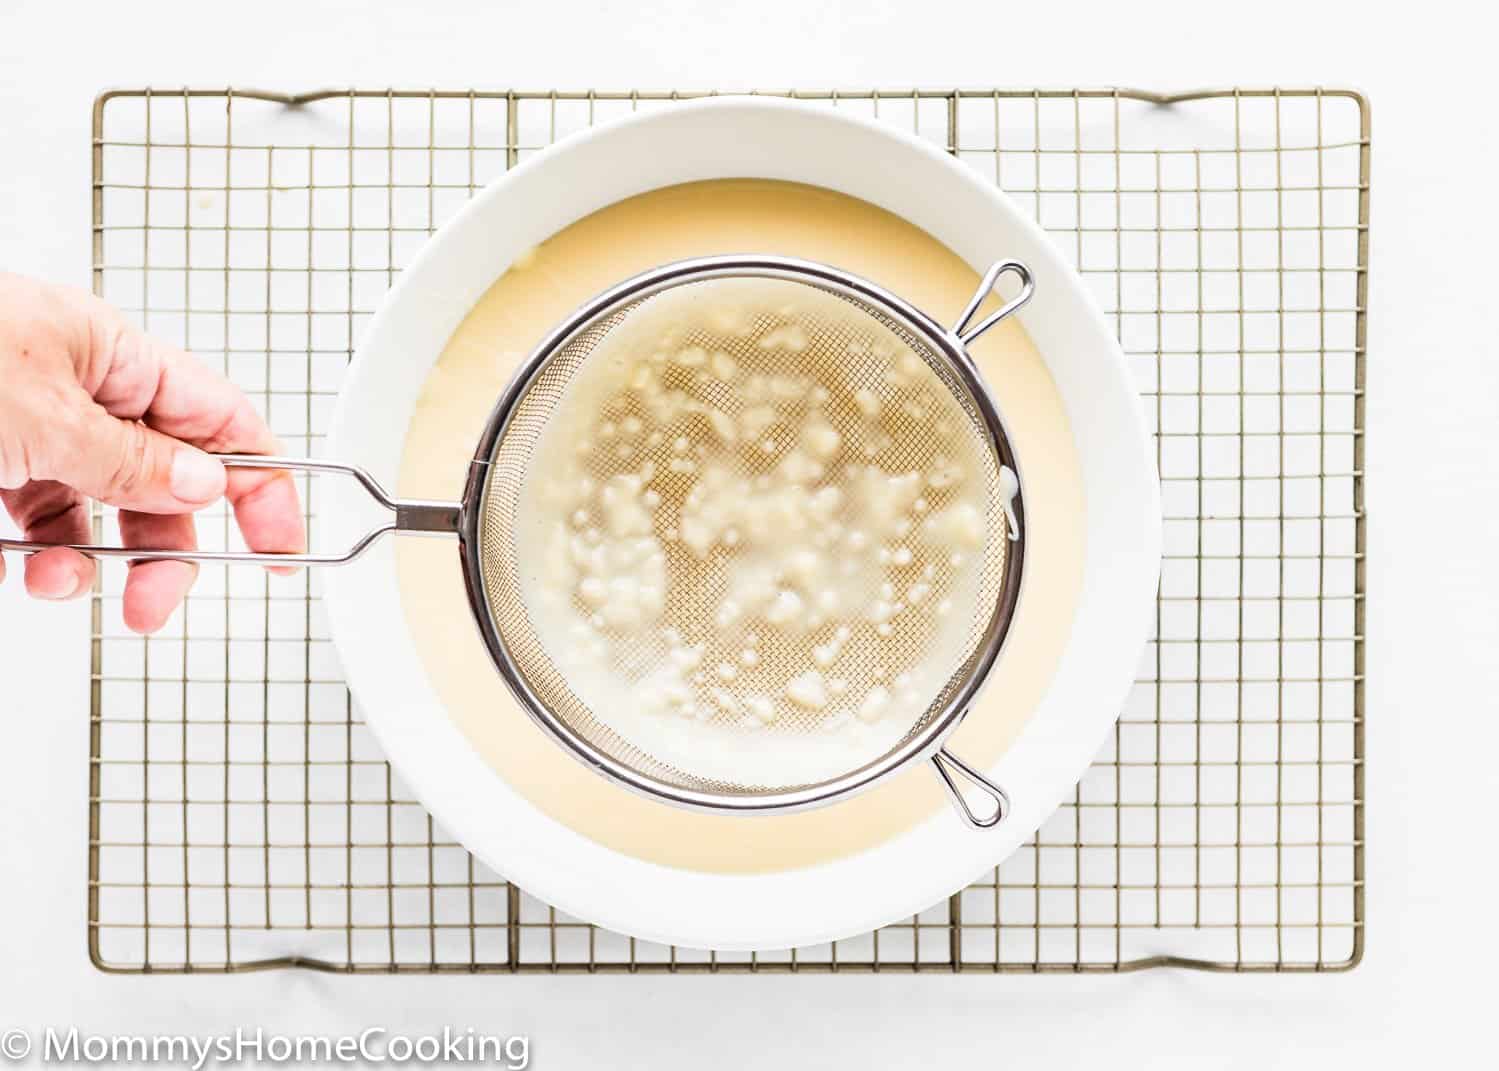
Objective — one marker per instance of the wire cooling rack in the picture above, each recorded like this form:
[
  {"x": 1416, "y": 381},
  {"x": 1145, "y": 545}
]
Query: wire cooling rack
[{"x": 240, "y": 815}]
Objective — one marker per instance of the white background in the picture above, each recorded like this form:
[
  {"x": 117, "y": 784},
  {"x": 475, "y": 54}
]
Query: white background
[{"x": 1432, "y": 627}]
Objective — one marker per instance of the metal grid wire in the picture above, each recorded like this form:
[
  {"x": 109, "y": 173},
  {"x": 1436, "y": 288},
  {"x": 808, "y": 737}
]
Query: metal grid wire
[{"x": 240, "y": 814}]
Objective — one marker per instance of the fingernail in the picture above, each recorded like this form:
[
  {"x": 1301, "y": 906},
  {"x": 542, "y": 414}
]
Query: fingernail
[{"x": 196, "y": 477}]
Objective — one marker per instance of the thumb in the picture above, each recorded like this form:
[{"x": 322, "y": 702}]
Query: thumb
[{"x": 132, "y": 466}]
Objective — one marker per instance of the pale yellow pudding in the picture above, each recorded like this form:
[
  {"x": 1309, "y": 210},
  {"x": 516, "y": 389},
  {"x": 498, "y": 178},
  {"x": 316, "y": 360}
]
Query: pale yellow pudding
[{"x": 738, "y": 216}]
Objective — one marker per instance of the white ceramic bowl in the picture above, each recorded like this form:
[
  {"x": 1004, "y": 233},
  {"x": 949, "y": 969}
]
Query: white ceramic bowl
[{"x": 738, "y": 138}]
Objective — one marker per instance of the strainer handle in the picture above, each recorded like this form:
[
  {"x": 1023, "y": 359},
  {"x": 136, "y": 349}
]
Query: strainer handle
[
  {"x": 997, "y": 271},
  {"x": 437, "y": 518},
  {"x": 951, "y": 768}
]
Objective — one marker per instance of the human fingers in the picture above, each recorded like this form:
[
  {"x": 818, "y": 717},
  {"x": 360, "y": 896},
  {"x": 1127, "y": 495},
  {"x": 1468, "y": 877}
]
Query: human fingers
[
  {"x": 154, "y": 589},
  {"x": 136, "y": 376},
  {"x": 49, "y": 512}
]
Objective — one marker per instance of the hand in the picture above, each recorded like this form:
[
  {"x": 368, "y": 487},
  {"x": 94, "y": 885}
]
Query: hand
[{"x": 92, "y": 407}]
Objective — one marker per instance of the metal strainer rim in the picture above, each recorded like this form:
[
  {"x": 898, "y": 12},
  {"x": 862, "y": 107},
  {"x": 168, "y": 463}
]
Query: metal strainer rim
[{"x": 928, "y": 741}]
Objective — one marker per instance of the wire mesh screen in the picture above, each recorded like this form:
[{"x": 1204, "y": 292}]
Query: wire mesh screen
[{"x": 241, "y": 816}]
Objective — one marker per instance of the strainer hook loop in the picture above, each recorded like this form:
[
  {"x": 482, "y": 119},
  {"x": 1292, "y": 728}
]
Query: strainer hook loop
[
  {"x": 986, "y": 286},
  {"x": 949, "y": 765}
]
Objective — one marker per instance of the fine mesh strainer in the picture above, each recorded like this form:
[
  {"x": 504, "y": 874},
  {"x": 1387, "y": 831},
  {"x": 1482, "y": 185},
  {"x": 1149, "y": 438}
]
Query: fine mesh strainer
[{"x": 763, "y": 643}]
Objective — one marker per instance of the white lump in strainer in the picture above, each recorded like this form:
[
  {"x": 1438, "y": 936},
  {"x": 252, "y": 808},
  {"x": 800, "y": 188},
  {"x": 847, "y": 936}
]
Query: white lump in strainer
[{"x": 757, "y": 522}]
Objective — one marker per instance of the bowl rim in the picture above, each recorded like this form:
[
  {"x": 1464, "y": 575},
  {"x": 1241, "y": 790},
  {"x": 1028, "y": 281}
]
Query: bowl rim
[{"x": 1051, "y": 752}]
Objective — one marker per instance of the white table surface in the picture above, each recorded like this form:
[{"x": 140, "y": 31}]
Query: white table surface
[{"x": 1432, "y": 626}]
